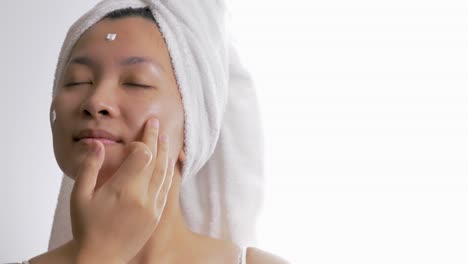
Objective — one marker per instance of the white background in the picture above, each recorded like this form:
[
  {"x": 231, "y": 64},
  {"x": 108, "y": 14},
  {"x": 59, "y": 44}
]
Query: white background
[{"x": 365, "y": 109}]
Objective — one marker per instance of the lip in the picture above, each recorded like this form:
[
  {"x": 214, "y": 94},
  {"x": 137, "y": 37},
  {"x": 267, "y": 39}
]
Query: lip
[
  {"x": 88, "y": 141},
  {"x": 88, "y": 135}
]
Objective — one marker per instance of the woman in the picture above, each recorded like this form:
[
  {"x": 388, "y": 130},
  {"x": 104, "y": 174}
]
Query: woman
[{"x": 125, "y": 116}]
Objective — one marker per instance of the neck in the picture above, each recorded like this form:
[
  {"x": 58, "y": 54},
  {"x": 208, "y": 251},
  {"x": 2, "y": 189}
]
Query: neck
[{"x": 171, "y": 234}]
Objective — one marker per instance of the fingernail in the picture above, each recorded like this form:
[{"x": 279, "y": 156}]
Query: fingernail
[
  {"x": 154, "y": 123},
  {"x": 164, "y": 138}
]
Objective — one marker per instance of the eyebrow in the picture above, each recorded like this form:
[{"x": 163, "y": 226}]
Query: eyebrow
[{"x": 87, "y": 61}]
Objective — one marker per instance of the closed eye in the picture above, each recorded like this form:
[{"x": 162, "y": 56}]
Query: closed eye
[
  {"x": 138, "y": 85},
  {"x": 77, "y": 83}
]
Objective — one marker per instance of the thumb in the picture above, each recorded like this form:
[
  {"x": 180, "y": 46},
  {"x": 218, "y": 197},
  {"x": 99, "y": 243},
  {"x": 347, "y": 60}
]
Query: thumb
[{"x": 85, "y": 180}]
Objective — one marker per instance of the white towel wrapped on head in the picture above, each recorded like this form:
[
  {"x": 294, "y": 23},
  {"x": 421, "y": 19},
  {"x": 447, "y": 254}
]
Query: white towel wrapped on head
[{"x": 222, "y": 177}]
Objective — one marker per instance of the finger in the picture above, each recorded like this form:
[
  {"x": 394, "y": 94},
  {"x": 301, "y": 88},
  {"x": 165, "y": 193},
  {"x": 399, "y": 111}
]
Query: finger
[
  {"x": 130, "y": 171},
  {"x": 85, "y": 180},
  {"x": 150, "y": 138},
  {"x": 161, "y": 197},
  {"x": 150, "y": 135},
  {"x": 161, "y": 166}
]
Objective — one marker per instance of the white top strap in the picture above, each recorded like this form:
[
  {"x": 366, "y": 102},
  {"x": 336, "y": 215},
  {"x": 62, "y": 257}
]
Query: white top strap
[{"x": 243, "y": 255}]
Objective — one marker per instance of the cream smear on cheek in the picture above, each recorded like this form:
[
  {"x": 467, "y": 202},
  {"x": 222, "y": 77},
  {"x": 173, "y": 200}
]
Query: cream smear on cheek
[{"x": 53, "y": 116}]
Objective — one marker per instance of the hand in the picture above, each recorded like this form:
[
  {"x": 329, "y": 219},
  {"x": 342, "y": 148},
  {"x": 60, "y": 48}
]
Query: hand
[{"x": 115, "y": 221}]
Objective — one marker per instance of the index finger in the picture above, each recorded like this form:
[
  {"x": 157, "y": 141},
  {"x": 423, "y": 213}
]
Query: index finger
[
  {"x": 150, "y": 135},
  {"x": 144, "y": 167}
]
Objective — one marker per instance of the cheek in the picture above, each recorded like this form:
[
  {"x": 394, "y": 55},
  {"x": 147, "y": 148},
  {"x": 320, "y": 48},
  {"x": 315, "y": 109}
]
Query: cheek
[
  {"x": 61, "y": 110},
  {"x": 63, "y": 143},
  {"x": 170, "y": 115},
  {"x": 136, "y": 115}
]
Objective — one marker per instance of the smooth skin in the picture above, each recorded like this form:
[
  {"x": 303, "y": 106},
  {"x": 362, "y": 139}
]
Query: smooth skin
[{"x": 125, "y": 203}]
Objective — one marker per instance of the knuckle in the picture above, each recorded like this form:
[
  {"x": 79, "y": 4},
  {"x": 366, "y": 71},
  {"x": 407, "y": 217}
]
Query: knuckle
[
  {"x": 127, "y": 195},
  {"x": 118, "y": 194},
  {"x": 137, "y": 203},
  {"x": 141, "y": 150},
  {"x": 134, "y": 145},
  {"x": 111, "y": 191},
  {"x": 147, "y": 212},
  {"x": 115, "y": 190},
  {"x": 138, "y": 146}
]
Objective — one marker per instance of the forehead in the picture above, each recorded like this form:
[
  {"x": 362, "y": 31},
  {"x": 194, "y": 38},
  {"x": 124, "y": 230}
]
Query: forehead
[{"x": 135, "y": 36}]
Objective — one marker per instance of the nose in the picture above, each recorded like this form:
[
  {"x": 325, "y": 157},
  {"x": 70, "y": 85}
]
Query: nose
[{"x": 100, "y": 103}]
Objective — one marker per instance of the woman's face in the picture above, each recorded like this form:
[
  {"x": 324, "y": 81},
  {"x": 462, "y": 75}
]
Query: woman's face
[{"x": 116, "y": 86}]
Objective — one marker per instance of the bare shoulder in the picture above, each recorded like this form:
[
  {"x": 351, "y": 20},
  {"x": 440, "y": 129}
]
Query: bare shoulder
[{"x": 258, "y": 256}]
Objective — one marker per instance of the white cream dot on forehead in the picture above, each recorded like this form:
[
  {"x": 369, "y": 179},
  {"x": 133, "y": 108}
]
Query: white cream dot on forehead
[{"x": 111, "y": 36}]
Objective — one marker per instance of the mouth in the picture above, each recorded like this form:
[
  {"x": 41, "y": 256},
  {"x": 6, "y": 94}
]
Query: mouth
[
  {"x": 89, "y": 141},
  {"x": 88, "y": 136}
]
